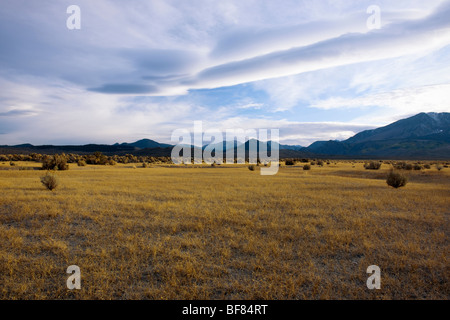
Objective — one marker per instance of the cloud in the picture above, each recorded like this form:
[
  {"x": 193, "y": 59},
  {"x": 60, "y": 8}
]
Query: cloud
[
  {"x": 17, "y": 113},
  {"x": 143, "y": 69},
  {"x": 126, "y": 89},
  {"x": 394, "y": 40}
]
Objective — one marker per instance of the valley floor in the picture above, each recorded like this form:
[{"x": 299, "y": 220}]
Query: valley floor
[{"x": 224, "y": 232}]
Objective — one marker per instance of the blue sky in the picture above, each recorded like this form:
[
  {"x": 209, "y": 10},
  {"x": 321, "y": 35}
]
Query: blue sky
[{"x": 141, "y": 69}]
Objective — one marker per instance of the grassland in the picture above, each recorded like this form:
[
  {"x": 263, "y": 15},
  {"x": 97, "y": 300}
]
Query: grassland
[{"x": 224, "y": 233}]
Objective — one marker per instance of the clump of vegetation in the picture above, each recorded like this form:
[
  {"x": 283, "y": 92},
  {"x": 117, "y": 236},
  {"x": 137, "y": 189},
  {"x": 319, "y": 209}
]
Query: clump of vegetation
[
  {"x": 55, "y": 162},
  {"x": 320, "y": 163},
  {"x": 307, "y": 167},
  {"x": 251, "y": 167},
  {"x": 81, "y": 163},
  {"x": 289, "y": 162},
  {"x": 144, "y": 165},
  {"x": 313, "y": 163},
  {"x": 50, "y": 181},
  {"x": 427, "y": 166},
  {"x": 439, "y": 167},
  {"x": 417, "y": 167},
  {"x": 396, "y": 179},
  {"x": 12, "y": 164},
  {"x": 403, "y": 166},
  {"x": 372, "y": 165}
]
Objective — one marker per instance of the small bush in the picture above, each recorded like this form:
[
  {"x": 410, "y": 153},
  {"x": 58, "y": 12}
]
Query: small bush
[
  {"x": 320, "y": 163},
  {"x": 57, "y": 162},
  {"x": 439, "y": 167},
  {"x": 289, "y": 162},
  {"x": 372, "y": 165},
  {"x": 417, "y": 167},
  {"x": 313, "y": 163},
  {"x": 144, "y": 165},
  {"x": 307, "y": 167},
  {"x": 251, "y": 167},
  {"x": 396, "y": 179},
  {"x": 427, "y": 166},
  {"x": 81, "y": 163},
  {"x": 49, "y": 181},
  {"x": 12, "y": 164}
]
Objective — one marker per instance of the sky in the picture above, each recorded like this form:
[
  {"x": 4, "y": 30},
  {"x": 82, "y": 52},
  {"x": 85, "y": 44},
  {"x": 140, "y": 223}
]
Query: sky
[{"x": 315, "y": 70}]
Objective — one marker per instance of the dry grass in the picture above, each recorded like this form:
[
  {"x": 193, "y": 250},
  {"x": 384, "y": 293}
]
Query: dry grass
[{"x": 224, "y": 233}]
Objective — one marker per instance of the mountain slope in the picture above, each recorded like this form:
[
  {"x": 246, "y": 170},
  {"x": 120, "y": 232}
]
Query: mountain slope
[
  {"x": 147, "y": 144},
  {"x": 422, "y": 125},
  {"x": 423, "y": 136}
]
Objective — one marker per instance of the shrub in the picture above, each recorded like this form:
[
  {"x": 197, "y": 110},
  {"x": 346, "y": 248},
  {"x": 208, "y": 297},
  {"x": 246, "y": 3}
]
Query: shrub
[
  {"x": 144, "y": 165},
  {"x": 439, "y": 167},
  {"x": 372, "y": 165},
  {"x": 307, "y": 167},
  {"x": 396, "y": 179},
  {"x": 12, "y": 164},
  {"x": 49, "y": 181},
  {"x": 427, "y": 166},
  {"x": 313, "y": 163},
  {"x": 417, "y": 167},
  {"x": 56, "y": 162},
  {"x": 289, "y": 162},
  {"x": 320, "y": 163},
  {"x": 251, "y": 167},
  {"x": 81, "y": 163}
]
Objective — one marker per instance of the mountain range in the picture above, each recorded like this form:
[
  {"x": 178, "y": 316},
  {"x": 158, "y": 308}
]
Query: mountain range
[{"x": 423, "y": 136}]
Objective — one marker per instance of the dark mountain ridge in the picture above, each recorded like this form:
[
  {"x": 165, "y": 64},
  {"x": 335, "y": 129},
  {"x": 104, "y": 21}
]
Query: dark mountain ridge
[{"x": 423, "y": 136}]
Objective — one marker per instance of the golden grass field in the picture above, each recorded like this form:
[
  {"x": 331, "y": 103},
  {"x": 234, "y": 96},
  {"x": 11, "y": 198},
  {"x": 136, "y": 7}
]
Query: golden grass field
[{"x": 224, "y": 232}]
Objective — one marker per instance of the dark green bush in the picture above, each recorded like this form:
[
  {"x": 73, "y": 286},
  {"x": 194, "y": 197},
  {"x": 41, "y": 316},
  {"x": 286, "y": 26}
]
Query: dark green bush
[{"x": 307, "y": 167}]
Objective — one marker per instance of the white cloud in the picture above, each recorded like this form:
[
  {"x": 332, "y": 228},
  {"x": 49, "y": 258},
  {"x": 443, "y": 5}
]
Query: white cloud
[{"x": 411, "y": 99}]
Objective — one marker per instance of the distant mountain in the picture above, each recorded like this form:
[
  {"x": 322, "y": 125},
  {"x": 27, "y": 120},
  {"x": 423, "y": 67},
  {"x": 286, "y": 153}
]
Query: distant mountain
[
  {"x": 147, "y": 144},
  {"x": 423, "y": 136},
  {"x": 421, "y": 126}
]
